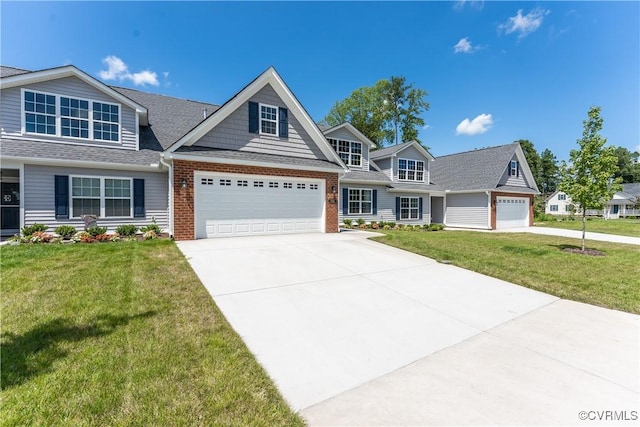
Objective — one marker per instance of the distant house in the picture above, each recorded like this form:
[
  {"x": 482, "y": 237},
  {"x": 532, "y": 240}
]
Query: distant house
[
  {"x": 623, "y": 203},
  {"x": 72, "y": 146}
]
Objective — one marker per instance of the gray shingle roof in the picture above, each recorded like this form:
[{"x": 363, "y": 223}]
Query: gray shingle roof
[
  {"x": 632, "y": 189},
  {"x": 415, "y": 187},
  {"x": 388, "y": 151},
  {"x": 257, "y": 157},
  {"x": 472, "y": 170},
  {"x": 359, "y": 175},
  {"x": 11, "y": 71}
]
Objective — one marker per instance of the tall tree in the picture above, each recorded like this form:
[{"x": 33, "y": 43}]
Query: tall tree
[
  {"x": 629, "y": 169},
  {"x": 589, "y": 177},
  {"x": 387, "y": 112},
  {"x": 549, "y": 172}
]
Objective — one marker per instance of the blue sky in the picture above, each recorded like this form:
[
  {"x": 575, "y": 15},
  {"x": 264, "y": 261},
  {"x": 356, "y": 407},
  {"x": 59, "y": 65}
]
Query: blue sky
[{"x": 495, "y": 71}]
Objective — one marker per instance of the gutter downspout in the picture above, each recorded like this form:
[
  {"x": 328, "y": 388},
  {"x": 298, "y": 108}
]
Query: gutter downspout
[
  {"x": 170, "y": 167},
  {"x": 488, "y": 193}
]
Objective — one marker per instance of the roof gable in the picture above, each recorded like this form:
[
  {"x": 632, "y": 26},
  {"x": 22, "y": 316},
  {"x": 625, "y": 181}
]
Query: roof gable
[
  {"x": 348, "y": 127},
  {"x": 395, "y": 149},
  {"x": 26, "y": 78},
  {"x": 269, "y": 77}
]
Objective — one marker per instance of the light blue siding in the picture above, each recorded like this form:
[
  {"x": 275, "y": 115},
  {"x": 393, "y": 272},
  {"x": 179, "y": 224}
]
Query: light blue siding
[
  {"x": 515, "y": 181},
  {"x": 344, "y": 134},
  {"x": 386, "y": 205},
  {"x": 469, "y": 210}
]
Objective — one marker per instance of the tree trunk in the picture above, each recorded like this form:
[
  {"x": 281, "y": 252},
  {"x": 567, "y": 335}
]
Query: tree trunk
[{"x": 584, "y": 226}]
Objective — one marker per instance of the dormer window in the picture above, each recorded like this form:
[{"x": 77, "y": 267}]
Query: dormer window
[
  {"x": 410, "y": 170},
  {"x": 66, "y": 117},
  {"x": 514, "y": 169},
  {"x": 350, "y": 152},
  {"x": 268, "y": 119}
]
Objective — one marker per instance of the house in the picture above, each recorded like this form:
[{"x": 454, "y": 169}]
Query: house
[
  {"x": 258, "y": 164},
  {"x": 624, "y": 203}
]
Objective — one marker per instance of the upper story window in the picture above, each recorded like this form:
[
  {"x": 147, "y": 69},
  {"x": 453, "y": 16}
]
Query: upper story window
[
  {"x": 68, "y": 117},
  {"x": 268, "y": 119},
  {"x": 513, "y": 169},
  {"x": 562, "y": 196},
  {"x": 350, "y": 152},
  {"x": 410, "y": 170}
]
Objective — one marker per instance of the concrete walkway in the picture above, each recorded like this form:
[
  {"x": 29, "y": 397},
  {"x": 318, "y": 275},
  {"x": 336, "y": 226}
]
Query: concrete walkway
[
  {"x": 574, "y": 234},
  {"x": 354, "y": 332}
]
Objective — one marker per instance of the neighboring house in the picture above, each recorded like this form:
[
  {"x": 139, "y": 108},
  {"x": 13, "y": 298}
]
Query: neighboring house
[
  {"x": 623, "y": 204},
  {"x": 558, "y": 204},
  {"x": 73, "y": 146}
]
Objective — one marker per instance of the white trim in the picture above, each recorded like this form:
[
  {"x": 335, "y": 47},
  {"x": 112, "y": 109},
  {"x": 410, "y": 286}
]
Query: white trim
[
  {"x": 83, "y": 142},
  {"x": 103, "y": 196},
  {"x": 424, "y": 170},
  {"x": 417, "y": 208},
  {"x": 351, "y": 129},
  {"x": 406, "y": 145},
  {"x": 58, "y": 119},
  {"x": 153, "y": 167},
  {"x": 270, "y": 76},
  {"x": 276, "y": 121},
  {"x": 245, "y": 162},
  {"x": 8, "y": 164},
  {"x": 71, "y": 71},
  {"x": 349, "y": 153}
]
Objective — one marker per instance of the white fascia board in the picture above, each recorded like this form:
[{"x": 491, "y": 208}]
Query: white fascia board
[
  {"x": 408, "y": 190},
  {"x": 153, "y": 167},
  {"x": 353, "y": 130},
  {"x": 71, "y": 71},
  {"x": 365, "y": 182},
  {"x": 226, "y": 161}
]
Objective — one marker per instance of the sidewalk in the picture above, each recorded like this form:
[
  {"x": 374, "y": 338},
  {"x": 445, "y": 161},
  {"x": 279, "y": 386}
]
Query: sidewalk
[{"x": 575, "y": 234}]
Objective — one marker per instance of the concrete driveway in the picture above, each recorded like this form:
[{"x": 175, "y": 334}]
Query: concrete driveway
[{"x": 354, "y": 332}]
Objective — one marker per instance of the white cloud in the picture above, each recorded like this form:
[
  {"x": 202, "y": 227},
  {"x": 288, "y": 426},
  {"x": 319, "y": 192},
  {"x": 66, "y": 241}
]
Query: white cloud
[
  {"x": 425, "y": 127},
  {"x": 476, "y": 4},
  {"x": 479, "y": 125},
  {"x": 524, "y": 24},
  {"x": 118, "y": 70},
  {"x": 464, "y": 46}
]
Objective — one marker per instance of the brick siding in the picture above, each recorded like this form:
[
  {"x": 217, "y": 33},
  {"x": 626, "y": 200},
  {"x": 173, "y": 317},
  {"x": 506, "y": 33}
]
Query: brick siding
[{"x": 183, "y": 200}]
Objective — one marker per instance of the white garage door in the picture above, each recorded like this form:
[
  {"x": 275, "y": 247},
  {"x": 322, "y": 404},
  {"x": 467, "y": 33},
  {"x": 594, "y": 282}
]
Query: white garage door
[
  {"x": 238, "y": 205},
  {"x": 512, "y": 212}
]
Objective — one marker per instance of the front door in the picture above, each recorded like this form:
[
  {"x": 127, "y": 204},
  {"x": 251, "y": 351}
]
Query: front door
[{"x": 9, "y": 207}]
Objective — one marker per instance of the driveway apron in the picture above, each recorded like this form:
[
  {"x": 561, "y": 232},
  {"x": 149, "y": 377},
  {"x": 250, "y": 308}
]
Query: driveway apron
[{"x": 354, "y": 332}]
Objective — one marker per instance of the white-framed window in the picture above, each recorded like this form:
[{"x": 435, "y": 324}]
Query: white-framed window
[
  {"x": 513, "y": 168},
  {"x": 553, "y": 208},
  {"x": 273, "y": 184},
  {"x": 409, "y": 207},
  {"x": 313, "y": 186},
  {"x": 268, "y": 119},
  {"x": 360, "y": 201},
  {"x": 567, "y": 208},
  {"x": 300, "y": 186},
  {"x": 242, "y": 183},
  {"x": 410, "y": 170},
  {"x": 287, "y": 185},
  {"x": 104, "y": 197},
  {"x": 70, "y": 117},
  {"x": 562, "y": 196},
  {"x": 225, "y": 182},
  {"x": 258, "y": 183},
  {"x": 350, "y": 152}
]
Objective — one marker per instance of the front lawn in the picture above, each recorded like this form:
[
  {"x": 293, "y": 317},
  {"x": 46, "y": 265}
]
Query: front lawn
[
  {"x": 537, "y": 262},
  {"x": 621, "y": 227},
  {"x": 122, "y": 334}
]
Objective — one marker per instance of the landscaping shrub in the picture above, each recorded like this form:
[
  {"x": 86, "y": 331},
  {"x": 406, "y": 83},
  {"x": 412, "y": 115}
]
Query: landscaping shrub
[
  {"x": 374, "y": 225},
  {"x": 347, "y": 223},
  {"x": 399, "y": 226},
  {"x": 386, "y": 227},
  {"x": 391, "y": 224},
  {"x": 360, "y": 221},
  {"x": 362, "y": 226},
  {"x": 149, "y": 235},
  {"x": 103, "y": 237},
  {"x": 28, "y": 230},
  {"x": 542, "y": 217},
  {"x": 127, "y": 229},
  {"x": 426, "y": 227},
  {"x": 66, "y": 231},
  {"x": 40, "y": 237},
  {"x": 96, "y": 230},
  {"x": 151, "y": 227}
]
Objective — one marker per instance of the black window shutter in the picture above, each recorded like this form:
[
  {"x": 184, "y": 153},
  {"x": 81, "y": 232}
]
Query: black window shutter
[
  {"x": 345, "y": 201},
  {"x": 283, "y": 119},
  {"x": 62, "y": 196},
  {"x": 420, "y": 208},
  {"x": 375, "y": 202},
  {"x": 254, "y": 121},
  {"x": 138, "y": 198},
  {"x": 518, "y": 168},
  {"x": 397, "y": 208}
]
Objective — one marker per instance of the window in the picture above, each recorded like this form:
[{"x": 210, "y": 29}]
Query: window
[
  {"x": 273, "y": 185},
  {"x": 287, "y": 185},
  {"x": 301, "y": 186},
  {"x": 102, "y": 197},
  {"x": 242, "y": 183},
  {"x": 258, "y": 183},
  {"x": 553, "y": 208},
  {"x": 350, "y": 152},
  {"x": 562, "y": 196},
  {"x": 268, "y": 119},
  {"x": 409, "y": 208},
  {"x": 64, "y": 116},
  {"x": 360, "y": 201},
  {"x": 313, "y": 186},
  {"x": 513, "y": 169},
  {"x": 567, "y": 208},
  {"x": 410, "y": 170},
  {"x": 206, "y": 181},
  {"x": 225, "y": 182}
]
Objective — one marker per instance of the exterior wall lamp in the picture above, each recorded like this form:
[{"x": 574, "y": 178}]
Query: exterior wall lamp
[{"x": 184, "y": 184}]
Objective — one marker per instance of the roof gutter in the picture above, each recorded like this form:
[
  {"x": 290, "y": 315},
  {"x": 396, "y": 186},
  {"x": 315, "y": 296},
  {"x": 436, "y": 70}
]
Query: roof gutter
[{"x": 75, "y": 163}]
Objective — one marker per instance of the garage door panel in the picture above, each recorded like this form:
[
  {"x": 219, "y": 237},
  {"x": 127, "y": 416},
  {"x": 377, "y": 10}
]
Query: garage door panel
[
  {"x": 280, "y": 205},
  {"x": 512, "y": 212}
]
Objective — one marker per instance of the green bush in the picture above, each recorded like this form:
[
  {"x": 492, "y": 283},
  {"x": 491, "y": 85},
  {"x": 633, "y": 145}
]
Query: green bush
[
  {"x": 426, "y": 227},
  {"x": 386, "y": 227},
  {"x": 96, "y": 230},
  {"x": 127, "y": 229},
  {"x": 436, "y": 227},
  {"x": 65, "y": 231},
  {"x": 391, "y": 224},
  {"x": 347, "y": 223},
  {"x": 360, "y": 221},
  {"x": 400, "y": 226},
  {"x": 542, "y": 217},
  {"x": 28, "y": 230},
  {"x": 151, "y": 227}
]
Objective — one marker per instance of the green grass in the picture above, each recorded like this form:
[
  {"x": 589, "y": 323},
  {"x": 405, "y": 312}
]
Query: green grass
[
  {"x": 122, "y": 334},
  {"x": 537, "y": 262},
  {"x": 621, "y": 227}
]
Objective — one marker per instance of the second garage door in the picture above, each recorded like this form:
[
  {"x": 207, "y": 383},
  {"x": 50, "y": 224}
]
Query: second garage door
[
  {"x": 238, "y": 205},
  {"x": 512, "y": 212}
]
